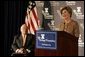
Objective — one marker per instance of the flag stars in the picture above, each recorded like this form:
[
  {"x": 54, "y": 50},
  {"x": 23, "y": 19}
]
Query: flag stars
[
  {"x": 28, "y": 9},
  {"x": 33, "y": 3},
  {"x": 30, "y": 2},
  {"x": 30, "y": 6}
]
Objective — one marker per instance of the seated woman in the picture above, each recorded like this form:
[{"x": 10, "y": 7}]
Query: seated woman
[{"x": 24, "y": 43}]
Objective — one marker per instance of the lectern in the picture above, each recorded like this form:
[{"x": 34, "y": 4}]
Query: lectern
[{"x": 62, "y": 44}]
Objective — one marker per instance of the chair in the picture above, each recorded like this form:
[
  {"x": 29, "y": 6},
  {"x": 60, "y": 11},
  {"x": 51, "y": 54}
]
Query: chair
[{"x": 18, "y": 54}]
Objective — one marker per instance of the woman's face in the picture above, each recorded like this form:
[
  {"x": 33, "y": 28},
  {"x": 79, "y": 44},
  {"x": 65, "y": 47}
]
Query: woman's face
[{"x": 65, "y": 14}]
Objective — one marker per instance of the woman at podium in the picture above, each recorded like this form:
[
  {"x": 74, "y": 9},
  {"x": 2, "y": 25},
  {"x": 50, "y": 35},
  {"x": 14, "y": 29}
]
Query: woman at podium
[
  {"x": 68, "y": 25},
  {"x": 23, "y": 43}
]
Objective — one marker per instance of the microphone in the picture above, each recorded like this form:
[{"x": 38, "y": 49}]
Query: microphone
[{"x": 64, "y": 26}]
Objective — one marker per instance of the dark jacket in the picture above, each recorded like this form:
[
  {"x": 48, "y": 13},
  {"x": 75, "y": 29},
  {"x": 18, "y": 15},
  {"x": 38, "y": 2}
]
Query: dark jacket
[{"x": 29, "y": 44}]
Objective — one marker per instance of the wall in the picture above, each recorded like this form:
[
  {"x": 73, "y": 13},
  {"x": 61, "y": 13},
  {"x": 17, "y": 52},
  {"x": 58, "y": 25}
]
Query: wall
[{"x": 78, "y": 15}]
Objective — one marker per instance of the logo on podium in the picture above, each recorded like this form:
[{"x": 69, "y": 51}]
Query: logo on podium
[{"x": 46, "y": 40}]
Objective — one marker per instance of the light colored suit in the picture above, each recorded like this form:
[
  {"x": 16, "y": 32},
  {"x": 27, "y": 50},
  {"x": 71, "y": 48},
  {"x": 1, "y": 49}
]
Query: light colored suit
[{"x": 72, "y": 27}]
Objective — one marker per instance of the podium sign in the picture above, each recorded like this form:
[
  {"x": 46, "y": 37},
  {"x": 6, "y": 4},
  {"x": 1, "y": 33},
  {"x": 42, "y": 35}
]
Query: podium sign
[{"x": 46, "y": 39}]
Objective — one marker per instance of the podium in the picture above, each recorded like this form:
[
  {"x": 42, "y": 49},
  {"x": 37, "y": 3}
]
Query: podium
[{"x": 67, "y": 45}]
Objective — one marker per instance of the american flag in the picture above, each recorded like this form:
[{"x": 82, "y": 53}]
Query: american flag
[{"x": 31, "y": 18}]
